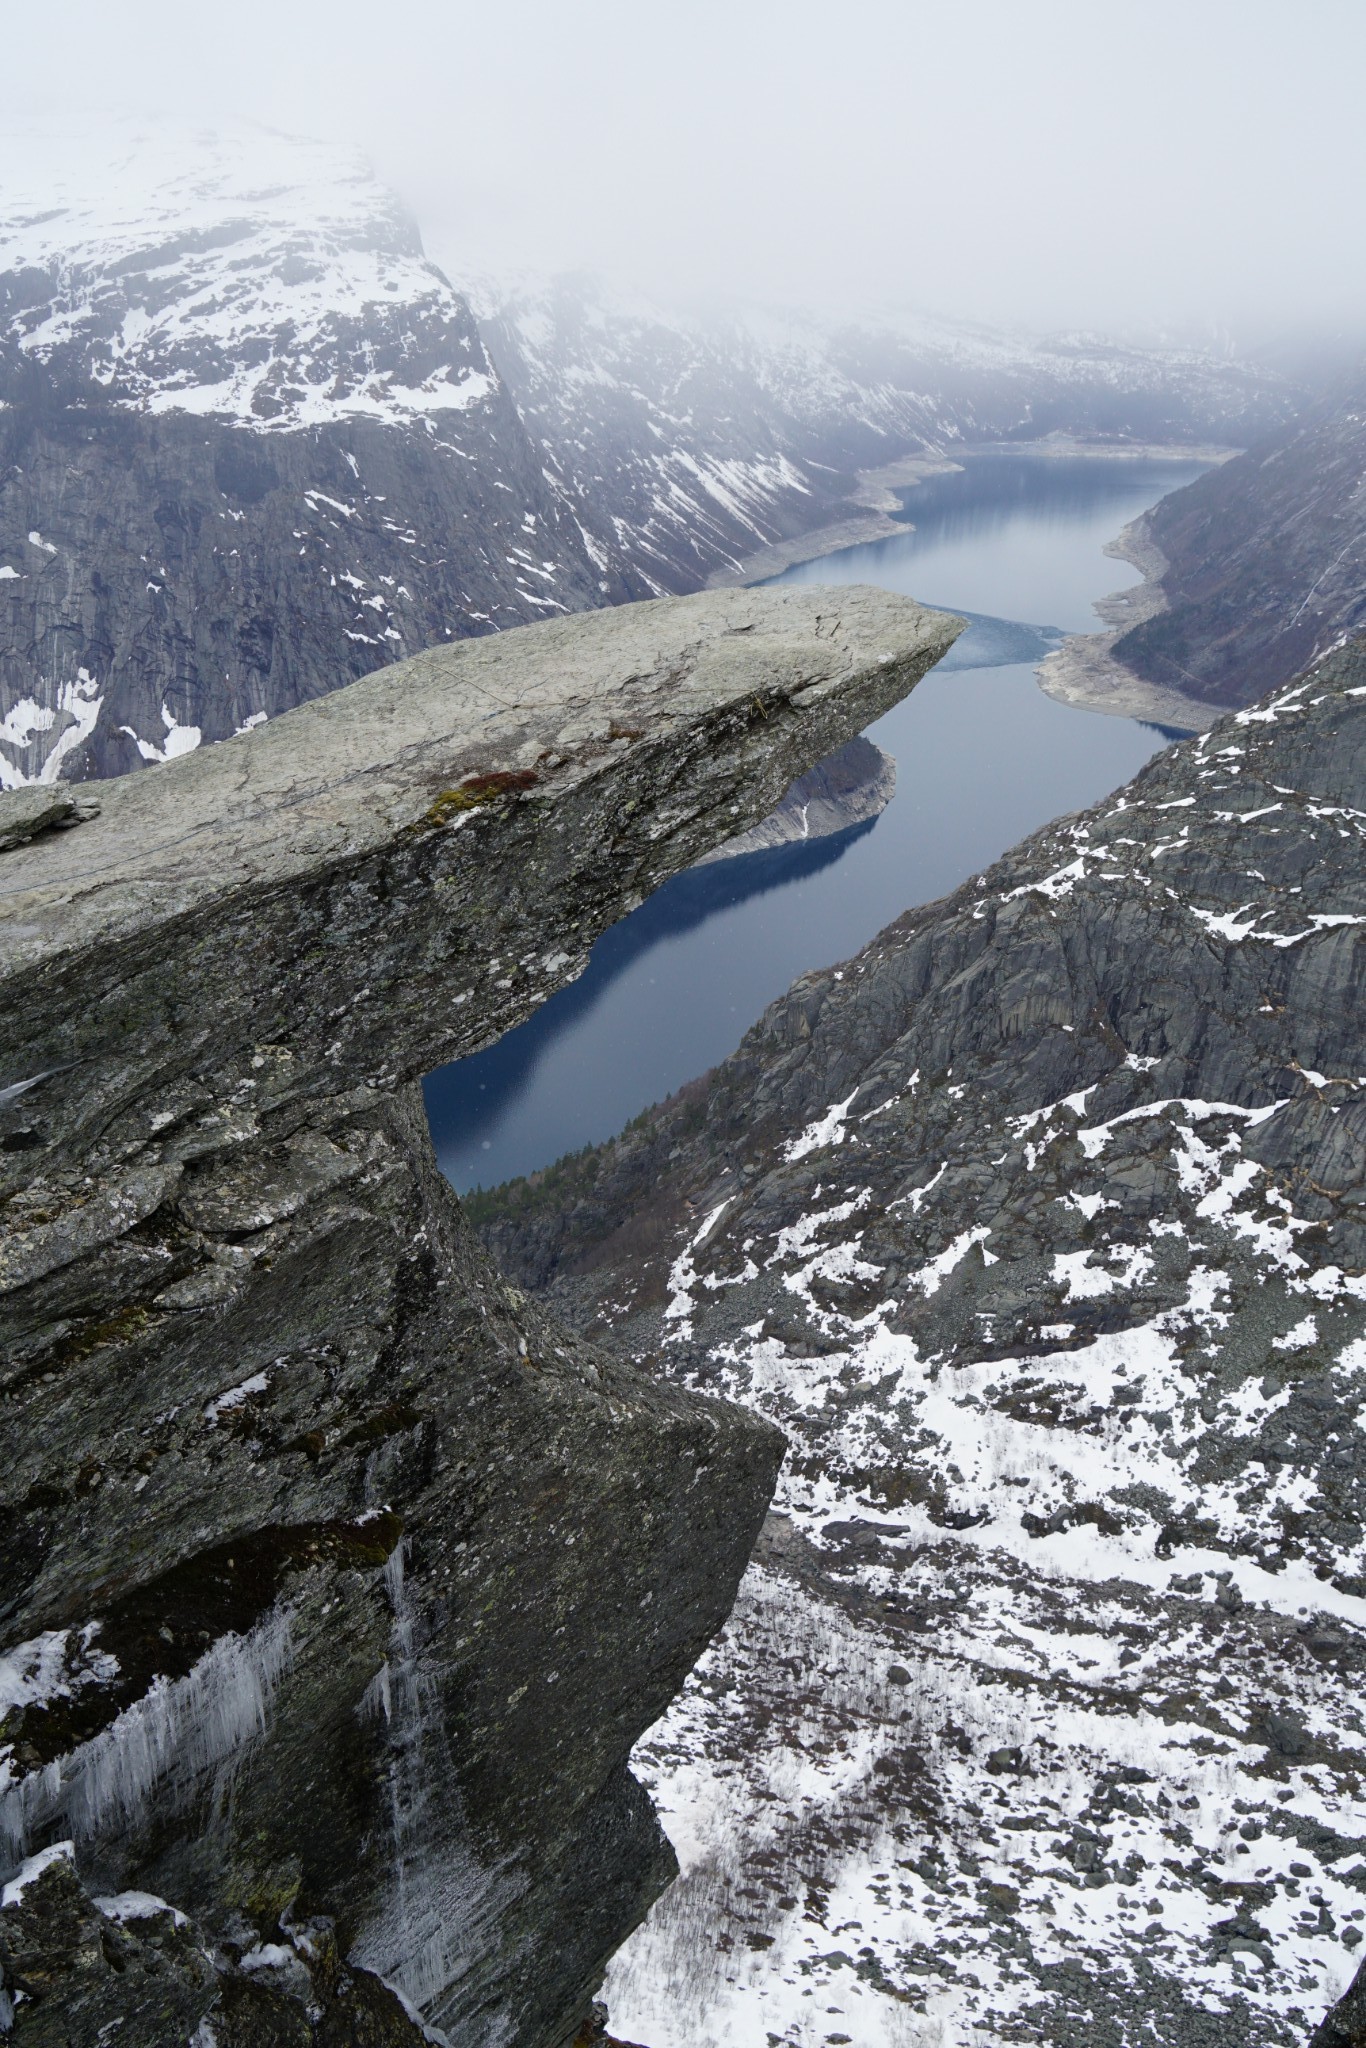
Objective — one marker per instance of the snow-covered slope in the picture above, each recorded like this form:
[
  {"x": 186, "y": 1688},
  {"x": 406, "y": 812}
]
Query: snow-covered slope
[
  {"x": 1038, "y": 1228},
  {"x": 251, "y": 442},
  {"x": 694, "y": 441},
  {"x": 245, "y": 276}
]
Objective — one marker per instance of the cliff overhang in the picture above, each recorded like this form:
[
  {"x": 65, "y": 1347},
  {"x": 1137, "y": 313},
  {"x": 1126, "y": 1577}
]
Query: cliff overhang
[{"x": 336, "y": 1578}]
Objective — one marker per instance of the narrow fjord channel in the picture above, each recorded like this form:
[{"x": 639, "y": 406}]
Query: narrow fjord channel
[{"x": 983, "y": 757}]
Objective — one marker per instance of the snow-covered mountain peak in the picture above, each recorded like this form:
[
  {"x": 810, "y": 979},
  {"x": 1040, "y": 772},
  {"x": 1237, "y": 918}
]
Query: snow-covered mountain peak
[{"x": 239, "y": 274}]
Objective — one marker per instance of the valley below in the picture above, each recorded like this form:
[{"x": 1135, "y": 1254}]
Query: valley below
[
  {"x": 1036, "y": 1227},
  {"x": 1014, "y": 543}
]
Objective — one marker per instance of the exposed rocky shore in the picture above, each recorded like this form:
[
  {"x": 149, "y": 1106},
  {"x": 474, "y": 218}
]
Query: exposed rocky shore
[
  {"x": 1038, "y": 1227},
  {"x": 851, "y": 788},
  {"x": 1087, "y": 673},
  {"x": 1263, "y": 560},
  {"x": 1250, "y": 573},
  {"x": 336, "y": 1578}
]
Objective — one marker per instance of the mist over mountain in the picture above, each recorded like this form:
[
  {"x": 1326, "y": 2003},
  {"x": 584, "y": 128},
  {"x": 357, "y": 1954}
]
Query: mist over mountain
[
  {"x": 1058, "y": 167},
  {"x": 255, "y": 444},
  {"x": 695, "y": 441}
]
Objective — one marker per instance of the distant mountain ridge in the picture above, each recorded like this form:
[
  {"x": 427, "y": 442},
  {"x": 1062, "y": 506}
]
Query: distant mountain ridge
[
  {"x": 254, "y": 444},
  {"x": 695, "y": 442},
  {"x": 251, "y": 448}
]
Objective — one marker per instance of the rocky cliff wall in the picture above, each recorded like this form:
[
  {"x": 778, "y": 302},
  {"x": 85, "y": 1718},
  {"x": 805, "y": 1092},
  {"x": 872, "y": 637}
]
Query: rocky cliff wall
[
  {"x": 336, "y": 1578},
  {"x": 1261, "y": 564},
  {"x": 1040, "y": 1228},
  {"x": 251, "y": 447}
]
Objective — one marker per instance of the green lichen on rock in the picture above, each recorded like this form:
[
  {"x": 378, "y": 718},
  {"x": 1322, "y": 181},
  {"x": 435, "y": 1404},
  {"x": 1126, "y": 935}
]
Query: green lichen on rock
[{"x": 478, "y": 790}]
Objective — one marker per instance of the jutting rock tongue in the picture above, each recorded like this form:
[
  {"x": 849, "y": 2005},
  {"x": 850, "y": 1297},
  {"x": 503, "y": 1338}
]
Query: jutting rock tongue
[{"x": 337, "y": 1579}]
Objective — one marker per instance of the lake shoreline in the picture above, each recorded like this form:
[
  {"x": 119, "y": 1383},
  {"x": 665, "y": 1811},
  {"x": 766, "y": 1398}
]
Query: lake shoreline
[
  {"x": 874, "y": 494},
  {"x": 1085, "y": 673},
  {"x": 983, "y": 758},
  {"x": 874, "y": 502}
]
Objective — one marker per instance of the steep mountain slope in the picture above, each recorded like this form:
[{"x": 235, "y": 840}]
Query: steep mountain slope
[
  {"x": 692, "y": 442},
  {"x": 1039, "y": 1228},
  {"x": 1262, "y": 563},
  {"x": 251, "y": 447}
]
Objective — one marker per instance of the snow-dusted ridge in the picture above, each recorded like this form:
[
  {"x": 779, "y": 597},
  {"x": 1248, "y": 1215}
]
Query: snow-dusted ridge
[
  {"x": 254, "y": 443},
  {"x": 1038, "y": 1228},
  {"x": 252, "y": 446},
  {"x": 700, "y": 441},
  {"x": 237, "y": 274}
]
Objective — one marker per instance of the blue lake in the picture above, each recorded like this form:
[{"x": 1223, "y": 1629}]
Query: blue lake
[{"x": 983, "y": 757}]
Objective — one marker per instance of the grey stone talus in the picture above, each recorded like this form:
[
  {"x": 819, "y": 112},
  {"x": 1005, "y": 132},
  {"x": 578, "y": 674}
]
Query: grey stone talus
[{"x": 336, "y": 1578}]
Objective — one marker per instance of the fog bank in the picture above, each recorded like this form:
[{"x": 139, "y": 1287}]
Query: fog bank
[{"x": 1171, "y": 170}]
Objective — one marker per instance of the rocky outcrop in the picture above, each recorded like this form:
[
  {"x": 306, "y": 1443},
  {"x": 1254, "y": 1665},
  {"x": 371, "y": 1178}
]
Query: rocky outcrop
[
  {"x": 1260, "y": 565},
  {"x": 77, "y": 1968},
  {"x": 1040, "y": 1228},
  {"x": 336, "y": 1578},
  {"x": 1345, "y": 2025}
]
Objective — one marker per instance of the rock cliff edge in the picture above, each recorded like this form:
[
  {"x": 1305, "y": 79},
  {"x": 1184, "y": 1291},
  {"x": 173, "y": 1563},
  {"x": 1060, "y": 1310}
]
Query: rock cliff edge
[{"x": 337, "y": 1579}]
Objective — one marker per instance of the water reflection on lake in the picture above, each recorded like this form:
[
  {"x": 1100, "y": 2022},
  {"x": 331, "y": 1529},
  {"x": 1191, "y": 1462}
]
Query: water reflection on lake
[{"x": 983, "y": 757}]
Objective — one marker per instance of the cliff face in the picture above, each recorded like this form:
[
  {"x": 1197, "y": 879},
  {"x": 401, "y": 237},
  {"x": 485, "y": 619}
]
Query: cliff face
[
  {"x": 251, "y": 447},
  {"x": 851, "y": 788},
  {"x": 1263, "y": 561},
  {"x": 336, "y": 1578},
  {"x": 1038, "y": 1226}
]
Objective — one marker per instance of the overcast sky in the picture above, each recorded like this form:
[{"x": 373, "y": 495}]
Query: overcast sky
[{"x": 1032, "y": 160}]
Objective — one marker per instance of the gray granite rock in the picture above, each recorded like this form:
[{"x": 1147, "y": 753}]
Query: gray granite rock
[
  {"x": 27, "y": 813},
  {"x": 336, "y": 1578},
  {"x": 1345, "y": 2025},
  {"x": 79, "y": 1969},
  {"x": 1259, "y": 564}
]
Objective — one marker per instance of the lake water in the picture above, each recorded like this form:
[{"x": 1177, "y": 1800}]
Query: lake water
[{"x": 983, "y": 757}]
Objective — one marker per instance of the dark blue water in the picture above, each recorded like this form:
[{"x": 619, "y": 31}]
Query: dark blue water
[{"x": 983, "y": 757}]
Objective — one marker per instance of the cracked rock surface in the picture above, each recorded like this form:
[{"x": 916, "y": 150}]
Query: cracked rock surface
[
  {"x": 1040, "y": 1228},
  {"x": 337, "y": 1579}
]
